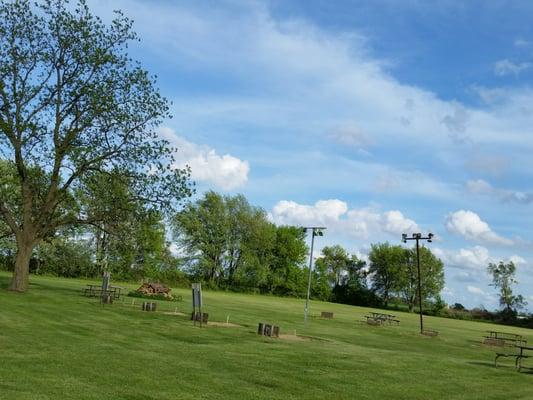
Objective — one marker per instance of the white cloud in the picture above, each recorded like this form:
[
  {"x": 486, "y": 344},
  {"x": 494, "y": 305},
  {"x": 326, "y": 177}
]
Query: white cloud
[
  {"x": 471, "y": 263},
  {"x": 324, "y": 211},
  {"x": 517, "y": 260},
  {"x": 474, "y": 258},
  {"x": 394, "y": 222},
  {"x": 447, "y": 291},
  {"x": 479, "y": 186},
  {"x": 469, "y": 225},
  {"x": 336, "y": 216},
  {"x": 475, "y": 290},
  {"x": 224, "y": 171},
  {"x": 519, "y": 42},
  {"x": 506, "y": 67},
  {"x": 482, "y": 295},
  {"x": 351, "y": 135}
]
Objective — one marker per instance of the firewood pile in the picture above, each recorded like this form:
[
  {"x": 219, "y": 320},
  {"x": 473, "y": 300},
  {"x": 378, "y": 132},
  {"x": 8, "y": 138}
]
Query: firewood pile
[{"x": 154, "y": 289}]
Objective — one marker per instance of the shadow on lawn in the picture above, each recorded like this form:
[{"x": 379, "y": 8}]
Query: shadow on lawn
[
  {"x": 489, "y": 364},
  {"x": 4, "y": 282}
]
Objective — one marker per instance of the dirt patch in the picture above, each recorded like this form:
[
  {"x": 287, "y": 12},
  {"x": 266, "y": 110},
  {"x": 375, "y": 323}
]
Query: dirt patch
[
  {"x": 223, "y": 324},
  {"x": 295, "y": 338},
  {"x": 179, "y": 314}
]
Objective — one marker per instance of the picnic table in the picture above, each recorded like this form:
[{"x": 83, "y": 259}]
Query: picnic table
[
  {"x": 93, "y": 290},
  {"x": 381, "y": 318},
  {"x": 519, "y": 355},
  {"x": 522, "y": 356},
  {"x": 502, "y": 339}
]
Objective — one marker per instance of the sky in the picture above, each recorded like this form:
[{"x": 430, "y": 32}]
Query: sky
[{"x": 372, "y": 118}]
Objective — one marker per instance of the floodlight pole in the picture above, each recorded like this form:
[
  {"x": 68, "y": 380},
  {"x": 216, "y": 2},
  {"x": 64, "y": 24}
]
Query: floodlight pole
[
  {"x": 417, "y": 237},
  {"x": 316, "y": 231}
]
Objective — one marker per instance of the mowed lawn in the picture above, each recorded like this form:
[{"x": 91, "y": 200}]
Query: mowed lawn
[{"x": 57, "y": 344}]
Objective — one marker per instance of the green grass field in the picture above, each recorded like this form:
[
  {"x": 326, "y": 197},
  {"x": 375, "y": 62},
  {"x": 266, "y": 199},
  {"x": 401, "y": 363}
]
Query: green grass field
[{"x": 57, "y": 344}]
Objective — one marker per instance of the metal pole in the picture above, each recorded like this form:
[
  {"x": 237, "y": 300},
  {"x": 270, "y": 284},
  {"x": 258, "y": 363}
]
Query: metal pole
[
  {"x": 309, "y": 278},
  {"x": 419, "y": 287}
]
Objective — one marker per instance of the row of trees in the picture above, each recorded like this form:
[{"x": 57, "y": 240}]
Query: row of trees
[
  {"x": 390, "y": 273},
  {"x": 229, "y": 243},
  {"x": 224, "y": 242}
]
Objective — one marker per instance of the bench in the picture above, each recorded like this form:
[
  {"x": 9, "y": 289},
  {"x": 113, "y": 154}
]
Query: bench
[
  {"x": 503, "y": 339},
  {"x": 517, "y": 357}
]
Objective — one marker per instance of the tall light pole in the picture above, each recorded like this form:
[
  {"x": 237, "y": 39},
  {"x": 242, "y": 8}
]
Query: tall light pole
[
  {"x": 317, "y": 231},
  {"x": 417, "y": 237}
]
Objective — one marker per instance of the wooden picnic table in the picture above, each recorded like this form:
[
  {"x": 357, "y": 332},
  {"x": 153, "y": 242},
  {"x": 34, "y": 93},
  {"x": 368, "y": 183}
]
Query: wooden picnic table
[
  {"x": 381, "y": 318},
  {"x": 518, "y": 356},
  {"x": 521, "y": 355},
  {"x": 382, "y": 315},
  {"x": 503, "y": 335},
  {"x": 502, "y": 339},
  {"x": 95, "y": 290}
]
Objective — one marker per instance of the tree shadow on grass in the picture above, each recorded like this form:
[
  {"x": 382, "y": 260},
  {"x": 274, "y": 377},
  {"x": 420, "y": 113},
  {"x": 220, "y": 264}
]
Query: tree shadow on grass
[
  {"x": 4, "y": 282},
  {"x": 489, "y": 364}
]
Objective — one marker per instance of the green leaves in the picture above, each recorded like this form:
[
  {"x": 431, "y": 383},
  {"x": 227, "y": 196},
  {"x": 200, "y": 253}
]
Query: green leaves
[
  {"x": 503, "y": 277},
  {"x": 74, "y": 105},
  {"x": 394, "y": 271}
]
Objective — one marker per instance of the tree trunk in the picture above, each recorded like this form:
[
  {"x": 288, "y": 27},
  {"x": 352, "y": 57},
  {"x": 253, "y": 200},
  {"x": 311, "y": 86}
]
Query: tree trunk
[{"x": 20, "y": 280}]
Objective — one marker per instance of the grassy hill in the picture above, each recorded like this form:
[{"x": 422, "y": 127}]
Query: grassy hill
[{"x": 57, "y": 344}]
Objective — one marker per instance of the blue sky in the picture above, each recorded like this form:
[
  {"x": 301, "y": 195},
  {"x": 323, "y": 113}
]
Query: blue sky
[{"x": 372, "y": 118}]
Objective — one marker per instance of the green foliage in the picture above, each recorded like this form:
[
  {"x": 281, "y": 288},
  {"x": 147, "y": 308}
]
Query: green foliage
[
  {"x": 64, "y": 257},
  {"x": 503, "y": 277},
  {"x": 394, "y": 271},
  {"x": 431, "y": 270},
  {"x": 458, "y": 306},
  {"x": 231, "y": 244},
  {"x": 288, "y": 256},
  {"x": 334, "y": 261},
  {"x": 386, "y": 267},
  {"x": 74, "y": 106}
]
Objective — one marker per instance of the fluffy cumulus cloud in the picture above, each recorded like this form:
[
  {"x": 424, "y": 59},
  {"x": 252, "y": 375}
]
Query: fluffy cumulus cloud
[
  {"x": 507, "y": 67},
  {"x": 474, "y": 258},
  {"x": 469, "y": 265},
  {"x": 394, "y": 222},
  {"x": 470, "y": 226},
  {"x": 324, "y": 211},
  {"x": 336, "y": 215},
  {"x": 226, "y": 172}
]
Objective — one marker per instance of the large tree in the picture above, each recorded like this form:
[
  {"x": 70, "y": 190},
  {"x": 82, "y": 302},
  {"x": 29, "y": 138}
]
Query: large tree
[
  {"x": 335, "y": 260},
  {"x": 73, "y": 103},
  {"x": 503, "y": 277},
  {"x": 385, "y": 269},
  {"x": 432, "y": 276}
]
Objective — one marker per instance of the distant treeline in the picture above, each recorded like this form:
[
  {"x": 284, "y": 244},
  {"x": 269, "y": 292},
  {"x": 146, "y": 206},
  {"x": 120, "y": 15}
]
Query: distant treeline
[{"x": 228, "y": 244}]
